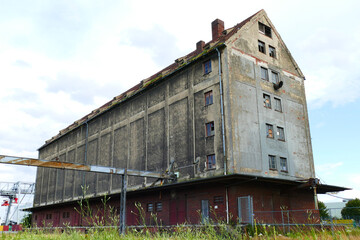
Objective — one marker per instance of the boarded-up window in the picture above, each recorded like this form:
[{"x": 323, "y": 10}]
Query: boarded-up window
[{"x": 207, "y": 67}]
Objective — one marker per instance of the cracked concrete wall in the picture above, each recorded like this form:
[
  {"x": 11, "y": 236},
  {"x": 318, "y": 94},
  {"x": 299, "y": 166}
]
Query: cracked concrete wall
[
  {"x": 248, "y": 145},
  {"x": 143, "y": 133}
]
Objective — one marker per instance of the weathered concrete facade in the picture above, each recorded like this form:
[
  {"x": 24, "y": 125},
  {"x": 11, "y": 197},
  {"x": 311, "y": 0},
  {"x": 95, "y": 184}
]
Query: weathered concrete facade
[{"x": 171, "y": 119}]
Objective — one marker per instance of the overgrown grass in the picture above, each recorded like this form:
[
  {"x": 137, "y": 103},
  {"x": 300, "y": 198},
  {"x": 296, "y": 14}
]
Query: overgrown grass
[{"x": 207, "y": 231}]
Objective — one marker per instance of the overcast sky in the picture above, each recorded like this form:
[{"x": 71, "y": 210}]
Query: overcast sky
[{"x": 59, "y": 60}]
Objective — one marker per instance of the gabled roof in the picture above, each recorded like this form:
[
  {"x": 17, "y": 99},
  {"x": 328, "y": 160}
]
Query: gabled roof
[{"x": 179, "y": 64}]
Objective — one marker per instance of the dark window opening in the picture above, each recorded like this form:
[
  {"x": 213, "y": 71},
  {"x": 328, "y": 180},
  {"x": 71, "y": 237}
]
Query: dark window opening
[
  {"x": 208, "y": 98},
  {"x": 210, "y": 160},
  {"x": 150, "y": 207},
  {"x": 267, "y": 101},
  {"x": 207, "y": 67},
  {"x": 261, "y": 46},
  {"x": 218, "y": 199},
  {"x": 280, "y": 133},
  {"x": 278, "y": 106},
  {"x": 269, "y": 131},
  {"x": 272, "y": 162},
  {"x": 272, "y": 52},
  {"x": 158, "y": 206},
  {"x": 210, "y": 129},
  {"x": 265, "y": 29},
  {"x": 66, "y": 214},
  {"x": 35, "y": 217},
  {"x": 264, "y": 74},
  {"x": 283, "y": 164},
  {"x": 48, "y": 216}
]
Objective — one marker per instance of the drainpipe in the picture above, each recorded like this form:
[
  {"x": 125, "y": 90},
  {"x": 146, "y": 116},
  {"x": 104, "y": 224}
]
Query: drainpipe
[
  {"x": 227, "y": 205},
  {"x": 85, "y": 157},
  {"x": 222, "y": 111}
]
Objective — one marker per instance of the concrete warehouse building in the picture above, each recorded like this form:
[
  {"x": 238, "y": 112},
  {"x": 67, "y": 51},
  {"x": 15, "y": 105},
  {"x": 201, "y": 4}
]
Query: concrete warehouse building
[{"x": 232, "y": 115}]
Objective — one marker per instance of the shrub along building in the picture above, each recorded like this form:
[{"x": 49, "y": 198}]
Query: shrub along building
[{"x": 232, "y": 115}]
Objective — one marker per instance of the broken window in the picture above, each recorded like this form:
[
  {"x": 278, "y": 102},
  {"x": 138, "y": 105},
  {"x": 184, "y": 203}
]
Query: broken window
[
  {"x": 267, "y": 101},
  {"x": 158, "y": 206},
  {"x": 269, "y": 131},
  {"x": 280, "y": 133},
  {"x": 278, "y": 106},
  {"x": 210, "y": 129},
  {"x": 207, "y": 67},
  {"x": 261, "y": 46},
  {"x": 272, "y": 52},
  {"x": 283, "y": 164},
  {"x": 264, "y": 74},
  {"x": 210, "y": 160},
  {"x": 208, "y": 98},
  {"x": 272, "y": 162},
  {"x": 150, "y": 207},
  {"x": 275, "y": 77},
  {"x": 265, "y": 29}
]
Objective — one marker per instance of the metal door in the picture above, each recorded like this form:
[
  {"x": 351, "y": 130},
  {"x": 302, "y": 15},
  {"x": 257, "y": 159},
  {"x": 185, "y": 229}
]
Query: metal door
[
  {"x": 245, "y": 210},
  {"x": 204, "y": 211}
]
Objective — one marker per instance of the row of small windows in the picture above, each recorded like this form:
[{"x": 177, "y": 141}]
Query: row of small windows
[
  {"x": 262, "y": 49},
  {"x": 273, "y": 163},
  {"x": 265, "y": 75},
  {"x": 270, "y": 132},
  {"x": 267, "y": 102},
  {"x": 158, "y": 207},
  {"x": 210, "y": 131}
]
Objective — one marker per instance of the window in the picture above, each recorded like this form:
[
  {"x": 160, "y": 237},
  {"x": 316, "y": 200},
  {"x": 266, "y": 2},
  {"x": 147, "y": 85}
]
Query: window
[
  {"x": 272, "y": 52},
  {"x": 264, "y": 74},
  {"x": 274, "y": 77},
  {"x": 150, "y": 207},
  {"x": 272, "y": 162},
  {"x": 35, "y": 217},
  {"x": 218, "y": 199},
  {"x": 267, "y": 101},
  {"x": 210, "y": 160},
  {"x": 264, "y": 29},
  {"x": 208, "y": 98},
  {"x": 278, "y": 105},
  {"x": 207, "y": 67},
  {"x": 269, "y": 131},
  {"x": 66, "y": 214},
  {"x": 210, "y": 129},
  {"x": 48, "y": 216},
  {"x": 280, "y": 133},
  {"x": 158, "y": 206},
  {"x": 283, "y": 164},
  {"x": 261, "y": 46},
  {"x": 204, "y": 211}
]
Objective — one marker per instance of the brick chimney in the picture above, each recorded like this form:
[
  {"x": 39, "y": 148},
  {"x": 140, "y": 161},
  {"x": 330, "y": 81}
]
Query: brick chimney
[
  {"x": 217, "y": 27},
  {"x": 200, "y": 46}
]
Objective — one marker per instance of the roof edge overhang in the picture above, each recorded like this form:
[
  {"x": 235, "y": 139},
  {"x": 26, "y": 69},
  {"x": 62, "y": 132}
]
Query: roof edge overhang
[{"x": 223, "y": 180}]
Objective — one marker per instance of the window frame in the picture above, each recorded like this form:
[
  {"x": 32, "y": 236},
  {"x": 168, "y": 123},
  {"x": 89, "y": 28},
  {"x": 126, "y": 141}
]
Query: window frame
[
  {"x": 150, "y": 207},
  {"x": 281, "y": 137},
  {"x": 264, "y": 29},
  {"x": 282, "y": 165},
  {"x": 265, "y": 97},
  {"x": 266, "y": 72},
  {"x": 210, "y": 129},
  {"x": 158, "y": 207},
  {"x": 272, "y": 162},
  {"x": 271, "y": 128},
  {"x": 261, "y": 47},
  {"x": 272, "y": 51},
  {"x": 218, "y": 200},
  {"x": 278, "y": 104},
  {"x": 209, "y": 98},
  {"x": 212, "y": 165},
  {"x": 207, "y": 67},
  {"x": 274, "y": 73}
]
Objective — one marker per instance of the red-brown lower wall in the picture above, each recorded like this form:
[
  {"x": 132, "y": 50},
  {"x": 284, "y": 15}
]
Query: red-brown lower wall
[{"x": 183, "y": 205}]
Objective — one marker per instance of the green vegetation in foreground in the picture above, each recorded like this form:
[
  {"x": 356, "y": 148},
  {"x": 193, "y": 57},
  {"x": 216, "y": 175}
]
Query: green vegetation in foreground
[{"x": 209, "y": 232}]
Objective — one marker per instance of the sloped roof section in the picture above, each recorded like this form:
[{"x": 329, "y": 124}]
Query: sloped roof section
[{"x": 161, "y": 75}]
